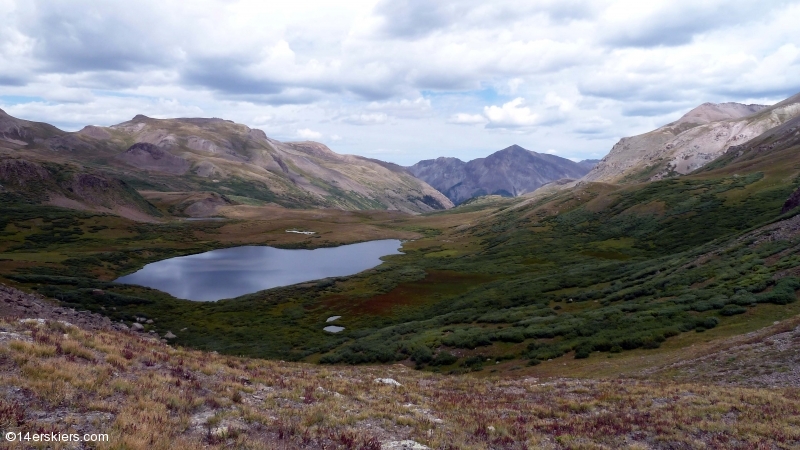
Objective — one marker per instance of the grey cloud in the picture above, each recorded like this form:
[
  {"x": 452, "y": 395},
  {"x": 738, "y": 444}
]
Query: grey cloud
[
  {"x": 11, "y": 80},
  {"x": 743, "y": 92},
  {"x": 226, "y": 76},
  {"x": 416, "y": 18},
  {"x": 651, "y": 109},
  {"x": 679, "y": 24},
  {"x": 73, "y": 37}
]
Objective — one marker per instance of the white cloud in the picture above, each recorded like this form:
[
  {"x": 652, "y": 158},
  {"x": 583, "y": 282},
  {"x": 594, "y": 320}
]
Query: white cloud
[
  {"x": 366, "y": 119},
  {"x": 308, "y": 134},
  {"x": 467, "y": 119},
  {"x": 513, "y": 114},
  {"x": 406, "y": 108},
  {"x": 589, "y": 71}
]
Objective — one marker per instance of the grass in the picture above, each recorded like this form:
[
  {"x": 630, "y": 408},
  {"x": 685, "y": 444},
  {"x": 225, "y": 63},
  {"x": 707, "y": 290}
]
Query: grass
[{"x": 145, "y": 394}]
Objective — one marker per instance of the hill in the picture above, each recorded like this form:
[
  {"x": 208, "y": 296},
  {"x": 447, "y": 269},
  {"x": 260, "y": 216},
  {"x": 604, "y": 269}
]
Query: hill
[
  {"x": 75, "y": 373},
  {"x": 510, "y": 172},
  {"x": 224, "y": 158},
  {"x": 694, "y": 140}
]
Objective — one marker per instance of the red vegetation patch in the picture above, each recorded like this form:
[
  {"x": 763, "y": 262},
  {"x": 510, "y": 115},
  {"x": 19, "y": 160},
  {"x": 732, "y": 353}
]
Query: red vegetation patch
[{"x": 437, "y": 285}]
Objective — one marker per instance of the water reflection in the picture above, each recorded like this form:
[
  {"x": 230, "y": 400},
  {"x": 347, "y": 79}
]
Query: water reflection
[{"x": 232, "y": 272}]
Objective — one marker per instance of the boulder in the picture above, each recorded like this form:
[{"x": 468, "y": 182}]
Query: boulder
[{"x": 136, "y": 326}]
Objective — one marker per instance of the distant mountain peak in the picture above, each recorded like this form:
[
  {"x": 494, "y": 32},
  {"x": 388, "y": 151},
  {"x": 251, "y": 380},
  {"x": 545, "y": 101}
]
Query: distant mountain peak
[
  {"x": 512, "y": 171},
  {"x": 513, "y": 148}
]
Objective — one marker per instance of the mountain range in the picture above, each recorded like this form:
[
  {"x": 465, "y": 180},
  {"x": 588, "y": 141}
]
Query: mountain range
[
  {"x": 699, "y": 137},
  {"x": 226, "y": 163},
  {"x": 510, "y": 172}
]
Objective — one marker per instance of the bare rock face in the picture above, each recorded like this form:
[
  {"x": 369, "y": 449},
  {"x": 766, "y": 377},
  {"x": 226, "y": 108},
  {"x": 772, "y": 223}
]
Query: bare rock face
[
  {"x": 22, "y": 173},
  {"x": 95, "y": 132},
  {"x": 510, "y": 172},
  {"x": 699, "y": 137},
  {"x": 207, "y": 206},
  {"x": 206, "y": 169},
  {"x": 792, "y": 202},
  {"x": 19, "y": 133},
  {"x": 151, "y": 157},
  {"x": 200, "y": 144}
]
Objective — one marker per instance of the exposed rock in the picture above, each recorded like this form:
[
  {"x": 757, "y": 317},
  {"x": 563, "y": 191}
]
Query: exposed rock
[
  {"x": 389, "y": 381},
  {"x": 151, "y": 157},
  {"x": 17, "y": 304},
  {"x": 403, "y": 445},
  {"x": 792, "y": 202},
  {"x": 510, "y": 172},
  {"x": 136, "y": 326},
  {"x": 22, "y": 173},
  {"x": 207, "y": 206},
  {"x": 169, "y": 335},
  {"x": 95, "y": 132},
  {"x": 699, "y": 137}
]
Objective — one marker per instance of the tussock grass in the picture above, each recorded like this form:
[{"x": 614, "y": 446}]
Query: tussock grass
[{"x": 166, "y": 397}]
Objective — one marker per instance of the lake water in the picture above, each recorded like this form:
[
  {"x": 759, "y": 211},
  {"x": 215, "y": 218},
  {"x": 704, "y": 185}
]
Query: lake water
[{"x": 236, "y": 271}]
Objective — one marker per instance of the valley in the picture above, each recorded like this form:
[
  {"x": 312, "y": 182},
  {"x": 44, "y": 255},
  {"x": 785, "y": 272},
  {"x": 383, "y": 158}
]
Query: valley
[{"x": 580, "y": 284}]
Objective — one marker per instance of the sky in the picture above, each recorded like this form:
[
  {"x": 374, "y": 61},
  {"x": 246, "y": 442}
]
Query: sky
[{"x": 399, "y": 80}]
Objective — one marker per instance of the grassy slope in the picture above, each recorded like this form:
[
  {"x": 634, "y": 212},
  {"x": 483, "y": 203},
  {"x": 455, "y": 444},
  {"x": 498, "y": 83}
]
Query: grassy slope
[{"x": 147, "y": 395}]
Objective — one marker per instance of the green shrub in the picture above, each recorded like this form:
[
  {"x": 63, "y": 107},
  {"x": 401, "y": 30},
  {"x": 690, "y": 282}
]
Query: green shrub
[
  {"x": 732, "y": 310},
  {"x": 444, "y": 359}
]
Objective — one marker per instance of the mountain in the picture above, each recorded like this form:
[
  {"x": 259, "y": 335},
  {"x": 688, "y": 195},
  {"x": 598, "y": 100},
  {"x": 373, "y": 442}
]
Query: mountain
[
  {"x": 510, "y": 172},
  {"x": 221, "y": 157},
  {"x": 694, "y": 140}
]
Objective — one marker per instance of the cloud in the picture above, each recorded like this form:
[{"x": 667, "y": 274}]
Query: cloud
[
  {"x": 418, "y": 107},
  {"x": 467, "y": 119},
  {"x": 395, "y": 73},
  {"x": 513, "y": 114},
  {"x": 308, "y": 134},
  {"x": 366, "y": 119},
  {"x": 670, "y": 23}
]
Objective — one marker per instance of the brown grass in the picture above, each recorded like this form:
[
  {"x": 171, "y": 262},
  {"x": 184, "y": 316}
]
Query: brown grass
[{"x": 146, "y": 395}]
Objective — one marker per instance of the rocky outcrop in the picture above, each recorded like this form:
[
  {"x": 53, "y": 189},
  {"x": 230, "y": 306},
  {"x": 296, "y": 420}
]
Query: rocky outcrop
[
  {"x": 510, "y": 172},
  {"x": 22, "y": 173},
  {"x": 792, "y": 202},
  {"x": 16, "y": 304},
  {"x": 693, "y": 141},
  {"x": 151, "y": 157}
]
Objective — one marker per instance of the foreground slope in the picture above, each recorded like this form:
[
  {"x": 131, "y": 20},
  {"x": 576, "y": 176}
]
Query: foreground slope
[
  {"x": 510, "y": 172},
  {"x": 222, "y": 157},
  {"x": 694, "y": 140},
  {"x": 145, "y": 394}
]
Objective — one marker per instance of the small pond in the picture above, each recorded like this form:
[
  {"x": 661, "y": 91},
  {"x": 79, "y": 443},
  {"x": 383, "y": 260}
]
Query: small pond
[{"x": 236, "y": 271}]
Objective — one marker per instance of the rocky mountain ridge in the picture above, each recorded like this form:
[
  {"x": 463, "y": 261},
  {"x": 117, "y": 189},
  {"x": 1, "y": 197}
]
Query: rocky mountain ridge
[
  {"x": 222, "y": 157},
  {"x": 699, "y": 137},
  {"x": 510, "y": 172}
]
